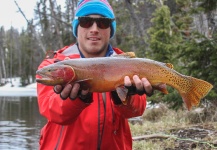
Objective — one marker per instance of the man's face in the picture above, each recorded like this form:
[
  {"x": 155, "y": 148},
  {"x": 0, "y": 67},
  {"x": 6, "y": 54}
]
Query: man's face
[{"x": 93, "y": 41}]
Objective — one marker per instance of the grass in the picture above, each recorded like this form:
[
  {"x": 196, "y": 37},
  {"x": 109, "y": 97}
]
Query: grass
[{"x": 183, "y": 129}]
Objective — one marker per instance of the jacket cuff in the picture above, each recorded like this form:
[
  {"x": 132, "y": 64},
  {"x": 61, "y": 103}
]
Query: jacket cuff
[
  {"x": 115, "y": 98},
  {"x": 86, "y": 98}
]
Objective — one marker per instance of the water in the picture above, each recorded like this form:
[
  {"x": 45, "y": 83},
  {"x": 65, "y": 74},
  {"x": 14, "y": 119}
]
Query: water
[{"x": 20, "y": 123}]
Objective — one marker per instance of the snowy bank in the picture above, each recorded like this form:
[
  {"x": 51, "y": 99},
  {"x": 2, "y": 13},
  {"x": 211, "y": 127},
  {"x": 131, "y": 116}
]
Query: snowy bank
[{"x": 13, "y": 88}]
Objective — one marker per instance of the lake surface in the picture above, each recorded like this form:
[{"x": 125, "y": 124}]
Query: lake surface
[{"x": 20, "y": 123}]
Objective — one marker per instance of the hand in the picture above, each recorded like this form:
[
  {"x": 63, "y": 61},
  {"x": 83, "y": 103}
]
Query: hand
[
  {"x": 72, "y": 92},
  {"x": 142, "y": 86},
  {"x": 139, "y": 86}
]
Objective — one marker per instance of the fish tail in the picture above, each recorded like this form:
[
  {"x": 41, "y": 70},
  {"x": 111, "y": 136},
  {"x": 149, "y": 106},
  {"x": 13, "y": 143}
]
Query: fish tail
[{"x": 198, "y": 90}]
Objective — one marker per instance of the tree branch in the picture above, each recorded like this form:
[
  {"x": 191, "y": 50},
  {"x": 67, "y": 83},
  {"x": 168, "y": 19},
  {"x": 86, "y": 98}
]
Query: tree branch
[
  {"x": 20, "y": 10},
  {"x": 31, "y": 27},
  {"x": 152, "y": 136},
  {"x": 162, "y": 136}
]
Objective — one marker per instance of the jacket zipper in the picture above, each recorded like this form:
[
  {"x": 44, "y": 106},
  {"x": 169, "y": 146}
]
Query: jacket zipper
[{"x": 100, "y": 135}]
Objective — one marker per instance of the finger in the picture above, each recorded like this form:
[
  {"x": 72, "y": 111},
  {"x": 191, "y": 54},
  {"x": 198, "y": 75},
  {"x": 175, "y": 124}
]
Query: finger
[
  {"x": 148, "y": 87},
  {"x": 66, "y": 91},
  {"x": 127, "y": 81},
  {"x": 57, "y": 89},
  {"x": 138, "y": 83},
  {"x": 66, "y": 58},
  {"x": 74, "y": 91}
]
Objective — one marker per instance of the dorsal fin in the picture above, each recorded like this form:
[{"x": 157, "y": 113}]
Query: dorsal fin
[
  {"x": 169, "y": 65},
  {"x": 126, "y": 55}
]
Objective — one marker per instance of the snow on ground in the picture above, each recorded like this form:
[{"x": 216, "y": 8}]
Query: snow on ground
[
  {"x": 13, "y": 88},
  {"x": 17, "y": 91},
  {"x": 13, "y": 82},
  {"x": 33, "y": 85}
]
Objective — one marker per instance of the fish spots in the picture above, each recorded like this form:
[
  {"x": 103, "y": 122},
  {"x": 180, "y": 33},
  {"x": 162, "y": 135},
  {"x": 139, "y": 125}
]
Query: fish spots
[
  {"x": 168, "y": 75},
  {"x": 176, "y": 80}
]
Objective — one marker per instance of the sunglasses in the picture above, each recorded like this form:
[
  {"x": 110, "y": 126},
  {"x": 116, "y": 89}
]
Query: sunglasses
[{"x": 102, "y": 23}]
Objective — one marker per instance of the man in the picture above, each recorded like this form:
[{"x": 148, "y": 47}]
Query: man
[{"x": 78, "y": 119}]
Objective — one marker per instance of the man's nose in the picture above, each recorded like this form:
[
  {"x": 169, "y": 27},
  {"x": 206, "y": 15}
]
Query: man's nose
[{"x": 94, "y": 27}]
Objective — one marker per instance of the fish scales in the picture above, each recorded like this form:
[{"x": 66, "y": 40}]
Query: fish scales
[
  {"x": 104, "y": 71},
  {"x": 107, "y": 74}
]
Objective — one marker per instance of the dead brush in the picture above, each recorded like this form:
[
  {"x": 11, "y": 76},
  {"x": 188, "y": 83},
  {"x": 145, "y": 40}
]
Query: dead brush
[
  {"x": 164, "y": 128},
  {"x": 155, "y": 113},
  {"x": 207, "y": 112}
]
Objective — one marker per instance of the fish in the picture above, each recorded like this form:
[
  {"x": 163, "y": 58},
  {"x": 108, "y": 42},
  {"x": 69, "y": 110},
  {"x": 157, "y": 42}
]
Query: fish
[{"x": 105, "y": 74}]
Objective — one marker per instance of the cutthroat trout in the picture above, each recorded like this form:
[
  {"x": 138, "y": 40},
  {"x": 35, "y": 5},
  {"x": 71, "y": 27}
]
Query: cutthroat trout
[{"x": 107, "y": 74}]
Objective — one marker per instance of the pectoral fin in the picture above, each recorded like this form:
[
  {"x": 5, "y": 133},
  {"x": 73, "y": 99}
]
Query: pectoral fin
[
  {"x": 122, "y": 93},
  {"x": 85, "y": 84}
]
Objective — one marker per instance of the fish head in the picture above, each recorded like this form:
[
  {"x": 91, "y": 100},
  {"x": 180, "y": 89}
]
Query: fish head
[{"x": 56, "y": 75}]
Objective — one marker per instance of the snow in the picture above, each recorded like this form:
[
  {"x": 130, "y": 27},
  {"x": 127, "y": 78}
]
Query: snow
[
  {"x": 33, "y": 85},
  {"x": 17, "y": 91},
  {"x": 14, "y": 88}
]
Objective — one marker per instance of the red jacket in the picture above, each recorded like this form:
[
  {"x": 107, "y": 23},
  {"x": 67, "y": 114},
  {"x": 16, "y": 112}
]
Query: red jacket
[{"x": 75, "y": 125}]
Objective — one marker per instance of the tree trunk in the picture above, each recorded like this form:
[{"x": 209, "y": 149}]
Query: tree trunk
[{"x": 56, "y": 24}]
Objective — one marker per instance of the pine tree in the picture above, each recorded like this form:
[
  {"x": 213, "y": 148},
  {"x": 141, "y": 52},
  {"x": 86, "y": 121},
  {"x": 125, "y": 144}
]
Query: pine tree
[
  {"x": 163, "y": 37},
  {"x": 175, "y": 39}
]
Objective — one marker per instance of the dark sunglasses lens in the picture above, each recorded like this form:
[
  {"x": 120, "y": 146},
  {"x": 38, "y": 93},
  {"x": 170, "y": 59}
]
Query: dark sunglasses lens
[
  {"x": 103, "y": 23},
  {"x": 85, "y": 22}
]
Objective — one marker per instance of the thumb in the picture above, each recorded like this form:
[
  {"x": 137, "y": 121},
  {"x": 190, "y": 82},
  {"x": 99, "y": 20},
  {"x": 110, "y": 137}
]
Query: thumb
[{"x": 66, "y": 58}]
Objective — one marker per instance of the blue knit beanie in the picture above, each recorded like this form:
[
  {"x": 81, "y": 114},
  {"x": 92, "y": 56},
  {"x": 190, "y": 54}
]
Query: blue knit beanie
[{"x": 93, "y": 7}]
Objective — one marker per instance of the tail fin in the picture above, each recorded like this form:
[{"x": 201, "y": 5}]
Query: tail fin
[{"x": 198, "y": 90}]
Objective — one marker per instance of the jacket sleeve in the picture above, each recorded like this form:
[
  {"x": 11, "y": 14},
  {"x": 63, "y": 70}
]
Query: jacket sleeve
[
  {"x": 53, "y": 107},
  {"x": 135, "y": 106}
]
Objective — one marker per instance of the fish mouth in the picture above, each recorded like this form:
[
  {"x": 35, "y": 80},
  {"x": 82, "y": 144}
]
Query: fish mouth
[
  {"x": 42, "y": 80},
  {"x": 48, "y": 79},
  {"x": 43, "y": 77}
]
